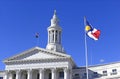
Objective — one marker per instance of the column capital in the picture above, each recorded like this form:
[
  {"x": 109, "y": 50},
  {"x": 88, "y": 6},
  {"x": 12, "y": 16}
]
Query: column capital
[
  {"x": 41, "y": 70},
  {"x": 17, "y": 71},
  {"x": 41, "y": 73},
  {"x": 6, "y": 71},
  {"x": 66, "y": 73},
  {"x": 53, "y": 70},
  {"x": 29, "y": 70},
  {"x": 29, "y": 73},
  {"x": 18, "y": 74},
  {"x": 66, "y": 69},
  {"x": 53, "y": 73},
  {"x": 6, "y": 74}
]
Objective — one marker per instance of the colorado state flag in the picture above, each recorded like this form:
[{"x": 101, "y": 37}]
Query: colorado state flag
[{"x": 91, "y": 32}]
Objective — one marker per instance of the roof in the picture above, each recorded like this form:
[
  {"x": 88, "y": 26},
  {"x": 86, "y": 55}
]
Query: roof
[{"x": 38, "y": 54}]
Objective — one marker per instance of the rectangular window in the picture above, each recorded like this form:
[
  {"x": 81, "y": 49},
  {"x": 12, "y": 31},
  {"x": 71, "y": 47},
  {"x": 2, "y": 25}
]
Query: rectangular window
[
  {"x": 37, "y": 76},
  {"x": 50, "y": 76},
  {"x": 76, "y": 74},
  {"x": 114, "y": 72},
  {"x": 1, "y": 77},
  {"x": 95, "y": 74},
  {"x": 104, "y": 73},
  {"x": 84, "y": 75},
  {"x": 61, "y": 74}
]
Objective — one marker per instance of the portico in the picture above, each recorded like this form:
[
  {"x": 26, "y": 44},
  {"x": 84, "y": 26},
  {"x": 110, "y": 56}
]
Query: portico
[{"x": 53, "y": 73}]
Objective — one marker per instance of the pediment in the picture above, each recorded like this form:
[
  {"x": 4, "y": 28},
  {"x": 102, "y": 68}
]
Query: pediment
[{"x": 37, "y": 53}]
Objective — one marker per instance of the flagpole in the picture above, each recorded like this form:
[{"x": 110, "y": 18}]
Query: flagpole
[
  {"x": 86, "y": 53},
  {"x": 86, "y": 56},
  {"x": 37, "y": 41}
]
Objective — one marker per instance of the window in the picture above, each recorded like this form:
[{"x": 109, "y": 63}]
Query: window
[
  {"x": 84, "y": 75},
  {"x": 1, "y": 77},
  {"x": 95, "y": 74},
  {"x": 104, "y": 73},
  {"x": 61, "y": 74},
  {"x": 76, "y": 74},
  {"x": 50, "y": 76},
  {"x": 37, "y": 76},
  {"x": 114, "y": 72}
]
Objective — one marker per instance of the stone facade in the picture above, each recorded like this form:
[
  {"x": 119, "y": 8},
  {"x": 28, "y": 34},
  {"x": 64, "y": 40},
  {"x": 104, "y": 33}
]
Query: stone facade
[
  {"x": 105, "y": 71},
  {"x": 38, "y": 63}
]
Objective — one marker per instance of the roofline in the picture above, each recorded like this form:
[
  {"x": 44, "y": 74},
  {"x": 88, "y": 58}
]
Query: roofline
[
  {"x": 38, "y": 48},
  {"x": 105, "y": 64},
  {"x": 24, "y": 52},
  {"x": 97, "y": 65}
]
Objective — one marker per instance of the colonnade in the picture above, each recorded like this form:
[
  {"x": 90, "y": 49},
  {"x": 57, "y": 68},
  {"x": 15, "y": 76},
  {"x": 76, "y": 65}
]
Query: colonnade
[{"x": 41, "y": 72}]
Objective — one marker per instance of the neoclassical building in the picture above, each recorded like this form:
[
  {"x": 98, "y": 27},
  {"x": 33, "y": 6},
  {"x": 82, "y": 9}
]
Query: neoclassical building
[{"x": 53, "y": 62}]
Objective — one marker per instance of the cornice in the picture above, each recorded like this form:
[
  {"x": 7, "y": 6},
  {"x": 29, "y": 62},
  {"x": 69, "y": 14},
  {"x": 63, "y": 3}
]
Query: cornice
[
  {"x": 37, "y": 49},
  {"x": 20, "y": 54},
  {"x": 59, "y": 57},
  {"x": 38, "y": 60}
]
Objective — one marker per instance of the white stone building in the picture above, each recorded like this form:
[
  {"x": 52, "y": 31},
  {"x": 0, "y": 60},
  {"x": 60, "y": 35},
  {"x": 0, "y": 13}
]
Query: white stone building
[{"x": 53, "y": 62}]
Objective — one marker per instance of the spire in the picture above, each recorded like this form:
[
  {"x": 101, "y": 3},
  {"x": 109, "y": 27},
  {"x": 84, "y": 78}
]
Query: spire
[
  {"x": 54, "y": 12},
  {"x": 54, "y": 20}
]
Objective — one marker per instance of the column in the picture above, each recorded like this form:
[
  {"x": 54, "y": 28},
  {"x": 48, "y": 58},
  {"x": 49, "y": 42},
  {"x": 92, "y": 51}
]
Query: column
[
  {"x": 54, "y": 73},
  {"x": 70, "y": 73},
  {"x": 10, "y": 75},
  {"x": 66, "y": 76},
  {"x": 29, "y": 74},
  {"x": 41, "y": 74},
  {"x": 18, "y": 74},
  {"x": 6, "y": 75}
]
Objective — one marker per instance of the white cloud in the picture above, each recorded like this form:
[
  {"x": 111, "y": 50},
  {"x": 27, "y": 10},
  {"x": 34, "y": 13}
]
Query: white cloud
[{"x": 102, "y": 60}]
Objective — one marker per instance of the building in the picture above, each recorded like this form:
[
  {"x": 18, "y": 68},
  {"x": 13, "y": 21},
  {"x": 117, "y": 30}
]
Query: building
[{"x": 53, "y": 62}]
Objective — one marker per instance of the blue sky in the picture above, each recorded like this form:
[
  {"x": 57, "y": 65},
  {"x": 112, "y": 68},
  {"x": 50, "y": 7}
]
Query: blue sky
[{"x": 21, "y": 19}]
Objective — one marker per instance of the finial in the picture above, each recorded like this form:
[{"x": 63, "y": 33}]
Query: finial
[
  {"x": 54, "y": 12},
  {"x": 54, "y": 20}
]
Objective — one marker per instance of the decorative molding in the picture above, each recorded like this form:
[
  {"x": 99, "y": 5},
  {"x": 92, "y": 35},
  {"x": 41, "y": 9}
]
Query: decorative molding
[{"x": 36, "y": 49}]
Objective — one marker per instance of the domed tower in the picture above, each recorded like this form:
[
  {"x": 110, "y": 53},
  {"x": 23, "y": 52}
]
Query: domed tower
[{"x": 54, "y": 35}]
